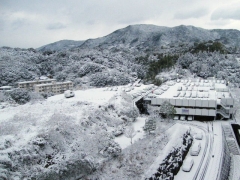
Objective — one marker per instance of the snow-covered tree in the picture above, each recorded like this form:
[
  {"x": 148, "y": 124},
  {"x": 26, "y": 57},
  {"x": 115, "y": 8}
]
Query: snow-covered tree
[
  {"x": 20, "y": 96},
  {"x": 150, "y": 125},
  {"x": 130, "y": 132},
  {"x": 167, "y": 110}
]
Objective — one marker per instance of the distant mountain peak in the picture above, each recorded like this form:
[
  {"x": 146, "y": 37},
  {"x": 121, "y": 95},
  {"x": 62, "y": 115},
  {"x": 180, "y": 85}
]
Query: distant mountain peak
[
  {"x": 153, "y": 37},
  {"x": 60, "y": 45}
]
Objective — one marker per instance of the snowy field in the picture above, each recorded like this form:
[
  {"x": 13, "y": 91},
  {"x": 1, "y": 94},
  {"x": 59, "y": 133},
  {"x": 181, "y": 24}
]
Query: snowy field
[
  {"x": 61, "y": 126},
  {"x": 40, "y": 138},
  {"x": 124, "y": 142}
]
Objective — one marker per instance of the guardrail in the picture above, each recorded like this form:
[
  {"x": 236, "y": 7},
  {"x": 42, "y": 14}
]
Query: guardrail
[{"x": 225, "y": 160}]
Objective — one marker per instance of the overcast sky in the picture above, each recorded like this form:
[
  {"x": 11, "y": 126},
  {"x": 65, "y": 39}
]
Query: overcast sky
[{"x": 34, "y": 23}]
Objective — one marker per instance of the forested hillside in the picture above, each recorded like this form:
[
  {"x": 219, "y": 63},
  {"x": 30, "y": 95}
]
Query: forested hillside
[{"x": 139, "y": 51}]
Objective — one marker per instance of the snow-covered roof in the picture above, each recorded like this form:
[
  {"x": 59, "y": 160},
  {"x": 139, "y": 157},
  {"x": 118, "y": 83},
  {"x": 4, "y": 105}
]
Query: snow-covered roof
[
  {"x": 5, "y": 87},
  {"x": 57, "y": 83},
  {"x": 204, "y": 89},
  {"x": 46, "y": 80}
]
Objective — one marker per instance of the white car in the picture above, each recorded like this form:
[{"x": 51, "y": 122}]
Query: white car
[
  {"x": 187, "y": 164},
  {"x": 176, "y": 94},
  {"x": 150, "y": 96},
  {"x": 188, "y": 94},
  {"x": 195, "y": 149},
  {"x": 198, "y": 136},
  {"x": 182, "y": 118},
  {"x": 182, "y": 94},
  {"x": 179, "y": 88},
  {"x": 158, "y": 92},
  {"x": 189, "y": 118},
  {"x": 69, "y": 94},
  {"x": 176, "y": 117},
  {"x": 128, "y": 89}
]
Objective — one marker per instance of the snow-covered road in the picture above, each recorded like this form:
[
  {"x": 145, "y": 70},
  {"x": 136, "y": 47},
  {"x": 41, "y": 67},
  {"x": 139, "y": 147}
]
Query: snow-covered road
[
  {"x": 207, "y": 164},
  {"x": 200, "y": 161}
]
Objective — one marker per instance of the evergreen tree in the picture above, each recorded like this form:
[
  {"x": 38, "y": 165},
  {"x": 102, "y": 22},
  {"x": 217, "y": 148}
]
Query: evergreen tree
[{"x": 167, "y": 110}]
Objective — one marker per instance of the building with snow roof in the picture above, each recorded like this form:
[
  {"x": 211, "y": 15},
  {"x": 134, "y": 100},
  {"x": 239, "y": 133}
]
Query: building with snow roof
[
  {"x": 54, "y": 87},
  {"x": 195, "y": 99},
  {"x": 29, "y": 85},
  {"x": 6, "y": 88}
]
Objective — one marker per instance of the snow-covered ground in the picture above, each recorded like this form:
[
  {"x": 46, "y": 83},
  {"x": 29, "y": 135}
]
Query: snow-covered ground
[
  {"x": 88, "y": 115},
  {"x": 58, "y": 122},
  {"x": 95, "y": 95},
  {"x": 124, "y": 142}
]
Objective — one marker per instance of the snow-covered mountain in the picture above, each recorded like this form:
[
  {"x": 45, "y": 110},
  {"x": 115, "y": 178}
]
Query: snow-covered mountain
[
  {"x": 152, "y": 37},
  {"x": 60, "y": 45},
  {"x": 155, "y": 37}
]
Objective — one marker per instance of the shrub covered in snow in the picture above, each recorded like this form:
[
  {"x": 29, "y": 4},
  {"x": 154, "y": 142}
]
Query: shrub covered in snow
[
  {"x": 20, "y": 96},
  {"x": 89, "y": 68},
  {"x": 3, "y": 97},
  {"x": 112, "y": 149},
  {"x": 123, "y": 104}
]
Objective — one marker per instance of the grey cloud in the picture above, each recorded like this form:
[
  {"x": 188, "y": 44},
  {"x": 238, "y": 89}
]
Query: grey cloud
[
  {"x": 2, "y": 24},
  {"x": 54, "y": 26},
  {"x": 19, "y": 23},
  {"x": 93, "y": 18},
  {"x": 226, "y": 14},
  {"x": 191, "y": 14}
]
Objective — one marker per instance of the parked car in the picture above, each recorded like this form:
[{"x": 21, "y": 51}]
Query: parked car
[
  {"x": 182, "y": 94},
  {"x": 195, "y": 149},
  {"x": 128, "y": 89},
  {"x": 69, "y": 93},
  {"x": 198, "y": 136},
  {"x": 183, "y": 118},
  {"x": 187, "y": 164},
  {"x": 179, "y": 88},
  {"x": 137, "y": 85},
  {"x": 176, "y": 117},
  {"x": 189, "y": 118},
  {"x": 176, "y": 94}
]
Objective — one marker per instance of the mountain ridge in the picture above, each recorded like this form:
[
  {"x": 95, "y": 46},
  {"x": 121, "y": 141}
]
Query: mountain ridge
[
  {"x": 153, "y": 37},
  {"x": 60, "y": 45}
]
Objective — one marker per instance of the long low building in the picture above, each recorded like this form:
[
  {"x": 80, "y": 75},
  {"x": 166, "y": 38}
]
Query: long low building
[
  {"x": 55, "y": 87},
  {"x": 29, "y": 85},
  {"x": 195, "y": 98}
]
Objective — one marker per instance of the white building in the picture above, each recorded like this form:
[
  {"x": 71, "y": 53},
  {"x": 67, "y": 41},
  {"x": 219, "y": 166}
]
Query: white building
[
  {"x": 195, "y": 98},
  {"x": 54, "y": 87},
  {"x": 29, "y": 85},
  {"x": 6, "y": 88},
  {"x": 46, "y": 86}
]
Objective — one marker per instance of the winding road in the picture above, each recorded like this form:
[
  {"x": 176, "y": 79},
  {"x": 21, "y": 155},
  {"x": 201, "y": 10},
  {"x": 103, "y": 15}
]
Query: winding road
[{"x": 202, "y": 162}]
